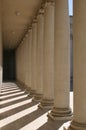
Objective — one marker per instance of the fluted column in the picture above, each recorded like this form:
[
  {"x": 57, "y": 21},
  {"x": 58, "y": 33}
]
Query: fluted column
[
  {"x": 40, "y": 42},
  {"x": 1, "y": 69},
  {"x": 34, "y": 58},
  {"x": 61, "y": 109},
  {"x": 26, "y": 44},
  {"x": 28, "y": 59},
  {"x": 23, "y": 56},
  {"x": 48, "y": 56},
  {"x": 79, "y": 66}
]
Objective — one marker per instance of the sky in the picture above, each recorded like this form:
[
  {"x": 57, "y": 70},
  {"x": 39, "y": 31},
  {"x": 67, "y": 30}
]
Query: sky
[{"x": 70, "y": 2}]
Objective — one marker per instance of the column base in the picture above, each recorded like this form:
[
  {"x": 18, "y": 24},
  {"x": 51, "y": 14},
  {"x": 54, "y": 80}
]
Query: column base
[
  {"x": 76, "y": 126},
  {"x": 38, "y": 97},
  {"x": 21, "y": 85},
  {"x": 32, "y": 93},
  {"x": 46, "y": 104},
  {"x": 63, "y": 114},
  {"x": 27, "y": 90}
]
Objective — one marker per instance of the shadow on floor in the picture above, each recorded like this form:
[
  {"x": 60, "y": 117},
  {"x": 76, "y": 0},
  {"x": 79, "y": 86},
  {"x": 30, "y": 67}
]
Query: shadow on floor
[
  {"x": 18, "y": 113},
  {"x": 52, "y": 125}
]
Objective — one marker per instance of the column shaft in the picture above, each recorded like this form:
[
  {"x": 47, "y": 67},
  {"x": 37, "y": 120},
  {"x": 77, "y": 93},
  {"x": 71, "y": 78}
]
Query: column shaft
[
  {"x": 79, "y": 66},
  {"x": 20, "y": 66},
  {"x": 48, "y": 52},
  {"x": 34, "y": 58},
  {"x": 40, "y": 42},
  {"x": 61, "y": 108},
  {"x": 23, "y": 57},
  {"x": 29, "y": 58},
  {"x": 26, "y": 62}
]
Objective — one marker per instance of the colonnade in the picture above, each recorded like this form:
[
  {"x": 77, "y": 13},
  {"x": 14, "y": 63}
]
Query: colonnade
[{"x": 44, "y": 64}]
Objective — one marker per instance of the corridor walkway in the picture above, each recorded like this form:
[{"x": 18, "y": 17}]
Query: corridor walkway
[{"x": 19, "y": 112}]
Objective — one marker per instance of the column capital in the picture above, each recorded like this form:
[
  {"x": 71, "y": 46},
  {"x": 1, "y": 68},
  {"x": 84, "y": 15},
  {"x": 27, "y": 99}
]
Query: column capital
[
  {"x": 26, "y": 35},
  {"x": 51, "y": 2},
  {"x": 41, "y": 11},
  {"x": 47, "y": 2},
  {"x": 24, "y": 39},
  {"x": 30, "y": 28},
  {"x": 34, "y": 20}
]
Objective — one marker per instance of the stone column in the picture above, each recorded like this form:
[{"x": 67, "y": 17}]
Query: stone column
[
  {"x": 29, "y": 56},
  {"x": 1, "y": 69},
  {"x": 34, "y": 58},
  {"x": 23, "y": 56},
  {"x": 40, "y": 42},
  {"x": 21, "y": 64},
  {"x": 28, "y": 59},
  {"x": 26, "y": 44},
  {"x": 48, "y": 56},
  {"x": 61, "y": 110},
  {"x": 79, "y": 66}
]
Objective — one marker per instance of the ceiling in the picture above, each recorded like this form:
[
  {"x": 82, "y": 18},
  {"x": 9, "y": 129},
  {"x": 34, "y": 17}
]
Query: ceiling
[{"x": 17, "y": 15}]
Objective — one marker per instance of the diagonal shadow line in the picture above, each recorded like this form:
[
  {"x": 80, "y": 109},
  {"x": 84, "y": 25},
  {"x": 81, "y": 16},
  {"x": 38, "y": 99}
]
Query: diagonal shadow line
[
  {"x": 14, "y": 102},
  {"x": 52, "y": 125},
  {"x": 10, "y": 93},
  {"x": 16, "y": 110},
  {"x": 16, "y": 125},
  {"x": 12, "y": 96}
]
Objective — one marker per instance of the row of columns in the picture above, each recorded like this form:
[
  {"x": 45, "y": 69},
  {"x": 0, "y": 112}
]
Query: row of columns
[{"x": 49, "y": 61}]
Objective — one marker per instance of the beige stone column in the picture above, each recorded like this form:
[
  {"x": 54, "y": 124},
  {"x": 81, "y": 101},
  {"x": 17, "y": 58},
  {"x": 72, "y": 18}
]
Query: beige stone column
[
  {"x": 40, "y": 42},
  {"x": 28, "y": 58},
  {"x": 1, "y": 69},
  {"x": 48, "y": 56},
  {"x": 26, "y": 44},
  {"x": 20, "y": 64},
  {"x": 23, "y": 57},
  {"x": 34, "y": 58},
  {"x": 79, "y": 66},
  {"x": 61, "y": 109}
]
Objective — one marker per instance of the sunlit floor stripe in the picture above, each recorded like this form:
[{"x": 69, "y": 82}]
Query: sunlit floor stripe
[
  {"x": 2, "y": 93},
  {"x": 34, "y": 125},
  {"x": 10, "y": 95},
  {"x": 3, "y": 86},
  {"x": 9, "y": 89},
  {"x": 9, "y": 84},
  {"x": 65, "y": 125},
  {"x": 5, "y": 109},
  {"x": 17, "y": 116},
  {"x": 13, "y": 99}
]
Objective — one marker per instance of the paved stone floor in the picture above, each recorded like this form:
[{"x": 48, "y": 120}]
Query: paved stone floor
[{"x": 19, "y": 112}]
